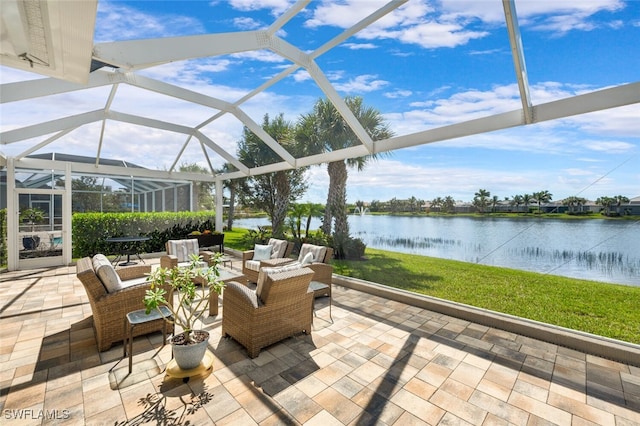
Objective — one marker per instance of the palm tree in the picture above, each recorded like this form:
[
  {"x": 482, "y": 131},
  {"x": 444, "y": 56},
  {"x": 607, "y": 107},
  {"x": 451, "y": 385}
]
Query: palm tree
[
  {"x": 516, "y": 200},
  {"x": 449, "y": 204},
  {"x": 542, "y": 197},
  {"x": 606, "y": 203},
  {"x": 573, "y": 202},
  {"x": 480, "y": 199},
  {"x": 619, "y": 200},
  {"x": 526, "y": 200},
  {"x": 325, "y": 130},
  {"x": 437, "y": 202},
  {"x": 272, "y": 192},
  {"x": 495, "y": 200}
]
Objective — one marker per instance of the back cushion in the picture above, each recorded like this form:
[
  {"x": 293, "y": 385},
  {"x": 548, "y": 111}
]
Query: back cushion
[
  {"x": 261, "y": 252},
  {"x": 183, "y": 248},
  {"x": 279, "y": 248},
  {"x": 318, "y": 252},
  {"x": 262, "y": 275},
  {"x": 106, "y": 273}
]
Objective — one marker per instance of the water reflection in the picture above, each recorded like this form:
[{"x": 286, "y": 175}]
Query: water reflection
[{"x": 597, "y": 250}]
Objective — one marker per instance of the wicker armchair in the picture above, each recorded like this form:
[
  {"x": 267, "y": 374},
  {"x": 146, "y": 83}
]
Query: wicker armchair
[
  {"x": 251, "y": 268},
  {"x": 187, "y": 247},
  {"x": 109, "y": 309},
  {"x": 283, "y": 308}
]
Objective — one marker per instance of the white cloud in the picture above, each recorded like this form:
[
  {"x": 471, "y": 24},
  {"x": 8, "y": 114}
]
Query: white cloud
[
  {"x": 359, "y": 46},
  {"x": 259, "y": 55},
  {"x": 275, "y": 6},
  {"x": 302, "y": 75},
  {"x": 121, "y": 22},
  {"x": 397, "y": 94},
  {"x": 246, "y": 23},
  {"x": 361, "y": 84}
]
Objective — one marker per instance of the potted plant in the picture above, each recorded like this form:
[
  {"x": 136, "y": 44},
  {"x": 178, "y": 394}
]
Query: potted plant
[
  {"x": 191, "y": 285},
  {"x": 32, "y": 216}
]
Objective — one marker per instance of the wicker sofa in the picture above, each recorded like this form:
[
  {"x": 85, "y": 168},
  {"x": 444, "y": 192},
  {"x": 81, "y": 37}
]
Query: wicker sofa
[
  {"x": 110, "y": 308},
  {"x": 281, "y": 306}
]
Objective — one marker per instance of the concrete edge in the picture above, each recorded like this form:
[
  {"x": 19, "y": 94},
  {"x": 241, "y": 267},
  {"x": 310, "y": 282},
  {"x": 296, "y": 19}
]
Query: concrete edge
[{"x": 616, "y": 350}]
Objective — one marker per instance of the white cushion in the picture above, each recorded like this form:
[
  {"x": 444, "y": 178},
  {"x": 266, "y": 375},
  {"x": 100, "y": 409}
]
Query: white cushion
[
  {"x": 279, "y": 248},
  {"x": 307, "y": 259},
  {"x": 261, "y": 252},
  {"x": 253, "y": 265},
  {"x": 106, "y": 273},
  {"x": 319, "y": 252},
  {"x": 182, "y": 249},
  {"x": 134, "y": 281}
]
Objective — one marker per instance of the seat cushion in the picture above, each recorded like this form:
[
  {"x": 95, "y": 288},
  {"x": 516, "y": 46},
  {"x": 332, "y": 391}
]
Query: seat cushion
[
  {"x": 182, "y": 249},
  {"x": 278, "y": 248},
  {"x": 106, "y": 273}
]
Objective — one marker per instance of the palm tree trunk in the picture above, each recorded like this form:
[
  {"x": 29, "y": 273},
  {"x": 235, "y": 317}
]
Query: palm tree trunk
[
  {"x": 281, "y": 203},
  {"x": 232, "y": 203},
  {"x": 328, "y": 211},
  {"x": 340, "y": 199}
]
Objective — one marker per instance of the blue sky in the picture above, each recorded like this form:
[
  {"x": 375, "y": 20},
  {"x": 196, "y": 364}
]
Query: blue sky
[{"x": 427, "y": 64}]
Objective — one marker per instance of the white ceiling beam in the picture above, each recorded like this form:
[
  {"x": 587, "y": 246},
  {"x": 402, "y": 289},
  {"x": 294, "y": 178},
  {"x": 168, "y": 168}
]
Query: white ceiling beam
[
  {"x": 148, "y": 122},
  {"x": 138, "y": 54},
  {"x": 625, "y": 94},
  {"x": 31, "y": 89},
  {"x": 178, "y": 92},
  {"x": 104, "y": 170},
  {"x": 517, "y": 51},
  {"x": 44, "y": 143},
  {"x": 57, "y": 125},
  {"x": 287, "y": 16},
  {"x": 221, "y": 152},
  {"x": 266, "y": 138}
]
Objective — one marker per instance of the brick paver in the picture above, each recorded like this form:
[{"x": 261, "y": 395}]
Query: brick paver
[{"x": 379, "y": 362}]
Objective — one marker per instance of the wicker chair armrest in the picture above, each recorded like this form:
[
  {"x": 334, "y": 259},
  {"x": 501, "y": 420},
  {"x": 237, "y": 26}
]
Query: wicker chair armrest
[
  {"x": 207, "y": 255},
  {"x": 247, "y": 255},
  {"x": 131, "y": 272},
  {"x": 241, "y": 293},
  {"x": 270, "y": 263},
  {"x": 169, "y": 261},
  {"x": 322, "y": 272}
]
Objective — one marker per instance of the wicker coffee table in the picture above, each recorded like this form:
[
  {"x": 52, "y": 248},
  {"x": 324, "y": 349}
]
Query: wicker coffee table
[{"x": 226, "y": 275}]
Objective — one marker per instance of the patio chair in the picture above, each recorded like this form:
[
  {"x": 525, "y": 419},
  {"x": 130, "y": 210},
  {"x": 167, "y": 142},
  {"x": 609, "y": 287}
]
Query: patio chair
[
  {"x": 281, "y": 307},
  {"x": 274, "y": 249},
  {"x": 112, "y": 295},
  {"x": 178, "y": 252}
]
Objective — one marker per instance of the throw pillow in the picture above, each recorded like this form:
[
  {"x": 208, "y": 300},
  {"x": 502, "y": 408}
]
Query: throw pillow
[
  {"x": 307, "y": 259},
  {"x": 261, "y": 252},
  {"x": 106, "y": 273}
]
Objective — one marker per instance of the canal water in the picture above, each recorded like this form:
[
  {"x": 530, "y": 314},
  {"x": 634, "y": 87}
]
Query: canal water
[{"x": 599, "y": 250}]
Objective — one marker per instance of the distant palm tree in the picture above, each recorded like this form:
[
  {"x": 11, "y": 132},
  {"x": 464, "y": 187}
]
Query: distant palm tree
[
  {"x": 574, "y": 203},
  {"x": 526, "y": 200},
  {"x": 481, "y": 199},
  {"x": 542, "y": 197},
  {"x": 449, "y": 204},
  {"x": 495, "y": 200},
  {"x": 517, "y": 201},
  {"x": 619, "y": 200},
  {"x": 325, "y": 130}
]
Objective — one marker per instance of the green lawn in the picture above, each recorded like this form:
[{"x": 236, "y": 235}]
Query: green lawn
[{"x": 604, "y": 309}]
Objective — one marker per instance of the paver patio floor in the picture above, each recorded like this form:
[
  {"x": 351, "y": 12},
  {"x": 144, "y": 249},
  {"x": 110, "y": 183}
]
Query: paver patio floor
[{"x": 380, "y": 362}]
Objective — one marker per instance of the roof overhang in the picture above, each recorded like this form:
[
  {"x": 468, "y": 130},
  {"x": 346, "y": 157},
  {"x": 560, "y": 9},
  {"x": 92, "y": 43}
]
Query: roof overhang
[{"x": 52, "y": 38}]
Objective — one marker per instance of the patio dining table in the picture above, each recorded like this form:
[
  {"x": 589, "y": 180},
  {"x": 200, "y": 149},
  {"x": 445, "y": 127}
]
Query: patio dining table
[{"x": 127, "y": 246}]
